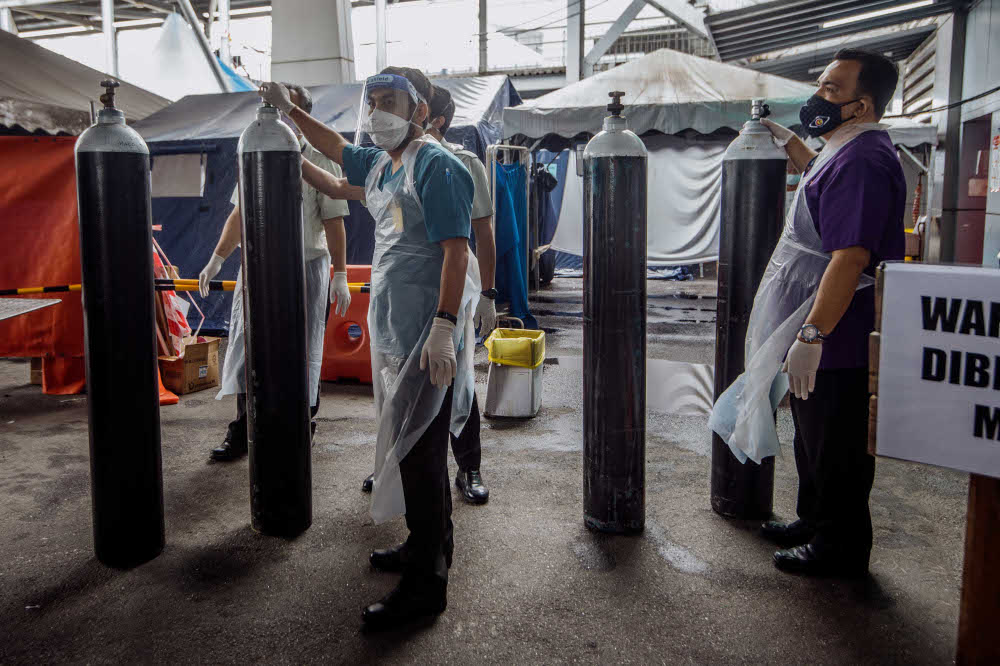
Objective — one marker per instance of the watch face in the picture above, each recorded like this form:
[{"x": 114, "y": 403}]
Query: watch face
[{"x": 809, "y": 333}]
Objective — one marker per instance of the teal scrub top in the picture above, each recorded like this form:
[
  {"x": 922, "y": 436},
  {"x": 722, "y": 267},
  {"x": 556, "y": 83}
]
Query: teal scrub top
[{"x": 445, "y": 186}]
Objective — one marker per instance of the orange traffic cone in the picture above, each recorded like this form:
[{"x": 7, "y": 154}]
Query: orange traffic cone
[{"x": 166, "y": 397}]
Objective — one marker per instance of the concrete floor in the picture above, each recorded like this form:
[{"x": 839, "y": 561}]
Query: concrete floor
[{"x": 529, "y": 584}]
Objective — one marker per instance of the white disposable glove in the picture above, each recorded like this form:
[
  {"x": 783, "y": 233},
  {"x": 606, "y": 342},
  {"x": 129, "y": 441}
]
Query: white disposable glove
[
  {"x": 439, "y": 353},
  {"x": 485, "y": 318},
  {"x": 277, "y": 96},
  {"x": 782, "y": 135},
  {"x": 208, "y": 273},
  {"x": 801, "y": 365},
  {"x": 340, "y": 294}
]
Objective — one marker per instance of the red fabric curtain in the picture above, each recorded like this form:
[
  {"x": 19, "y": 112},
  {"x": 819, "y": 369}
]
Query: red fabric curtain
[{"x": 40, "y": 246}]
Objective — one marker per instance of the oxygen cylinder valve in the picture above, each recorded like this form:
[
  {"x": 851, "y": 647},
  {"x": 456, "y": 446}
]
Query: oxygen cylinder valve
[
  {"x": 616, "y": 107},
  {"x": 759, "y": 110},
  {"x": 108, "y": 98}
]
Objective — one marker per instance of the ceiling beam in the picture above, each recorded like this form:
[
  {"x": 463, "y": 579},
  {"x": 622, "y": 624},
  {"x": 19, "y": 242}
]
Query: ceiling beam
[
  {"x": 95, "y": 12},
  {"x": 14, "y": 4},
  {"x": 152, "y": 5},
  {"x": 613, "y": 33},
  {"x": 684, "y": 14},
  {"x": 746, "y": 46},
  {"x": 80, "y": 21}
]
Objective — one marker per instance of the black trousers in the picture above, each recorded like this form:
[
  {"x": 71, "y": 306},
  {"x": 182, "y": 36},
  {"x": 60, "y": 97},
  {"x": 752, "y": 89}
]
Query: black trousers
[
  {"x": 427, "y": 494},
  {"x": 831, "y": 455},
  {"x": 238, "y": 429},
  {"x": 467, "y": 447}
]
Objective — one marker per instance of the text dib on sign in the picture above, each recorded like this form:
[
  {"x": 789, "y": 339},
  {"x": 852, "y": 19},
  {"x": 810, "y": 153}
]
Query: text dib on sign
[{"x": 939, "y": 367}]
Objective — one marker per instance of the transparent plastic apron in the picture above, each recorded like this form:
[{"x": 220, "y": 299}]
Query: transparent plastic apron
[
  {"x": 406, "y": 279},
  {"x": 744, "y": 414},
  {"x": 317, "y": 293}
]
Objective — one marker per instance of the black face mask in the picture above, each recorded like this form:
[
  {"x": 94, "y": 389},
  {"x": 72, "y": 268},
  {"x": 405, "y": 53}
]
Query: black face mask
[{"x": 820, "y": 116}]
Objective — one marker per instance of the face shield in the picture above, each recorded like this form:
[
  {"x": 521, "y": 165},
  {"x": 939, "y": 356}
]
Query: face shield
[{"x": 388, "y": 105}]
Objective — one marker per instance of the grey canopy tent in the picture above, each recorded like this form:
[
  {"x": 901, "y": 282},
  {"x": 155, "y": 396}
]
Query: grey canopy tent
[
  {"x": 687, "y": 109},
  {"x": 193, "y": 147},
  {"x": 44, "y": 92}
]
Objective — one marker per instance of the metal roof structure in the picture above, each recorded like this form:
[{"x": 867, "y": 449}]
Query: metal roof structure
[
  {"x": 807, "y": 66},
  {"x": 31, "y": 15},
  {"x": 772, "y": 26}
]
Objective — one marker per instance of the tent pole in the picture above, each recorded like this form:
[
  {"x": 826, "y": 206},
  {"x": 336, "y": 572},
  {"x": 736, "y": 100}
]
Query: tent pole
[
  {"x": 110, "y": 40},
  {"x": 206, "y": 49},
  {"x": 380, "y": 56},
  {"x": 210, "y": 21},
  {"x": 224, "y": 45},
  {"x": 483, "y": 63},
  {"x": 575, "y": 22},
  {"x": 7, "y": 23}
]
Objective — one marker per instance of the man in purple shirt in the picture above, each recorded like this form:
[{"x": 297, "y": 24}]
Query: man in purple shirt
[{"x": 856, "y": 200}]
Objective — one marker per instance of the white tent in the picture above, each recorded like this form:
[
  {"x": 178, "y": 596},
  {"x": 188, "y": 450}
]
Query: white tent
[
  {"x": 42, "y": 90},
  {"x": 665, "y": 91},
  {"x": 905, "y": 132},
  {"x": 687, "y": 109}
]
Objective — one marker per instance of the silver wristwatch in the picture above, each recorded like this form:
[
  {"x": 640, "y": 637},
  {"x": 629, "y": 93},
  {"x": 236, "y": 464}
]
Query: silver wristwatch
[{"x": 810, "y": 333}]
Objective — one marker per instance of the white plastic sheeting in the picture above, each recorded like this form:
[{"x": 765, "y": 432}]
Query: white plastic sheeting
[
  {"x": 666, "y": 91},
  {"x": 42, "y": 90},
  {"x": 682, "y": 213},
  {"x": 180, "y": 65}
]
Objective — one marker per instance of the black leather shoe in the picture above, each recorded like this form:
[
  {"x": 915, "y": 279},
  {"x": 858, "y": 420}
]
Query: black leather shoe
[
  {"x": 411, "y": 600},
  {"x": 368, "y": 484},
  {"x": 391, "y": 559},
  {"x": 395, "y": 559},
  {"x": 472, "y": 486},
  {"x": 228, "y": 452},
  {"x": 811, "y": 561},
  {"x": 787, "y": 535}
]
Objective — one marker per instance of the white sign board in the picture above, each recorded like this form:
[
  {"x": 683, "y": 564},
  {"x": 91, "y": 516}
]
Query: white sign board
[{"x": 939, "y": 367}]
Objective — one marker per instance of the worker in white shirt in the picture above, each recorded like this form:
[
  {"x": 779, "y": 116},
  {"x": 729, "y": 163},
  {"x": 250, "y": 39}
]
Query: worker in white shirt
[
  {"x": 325, "y": 241},
  {"x": 467, "y": 446}
]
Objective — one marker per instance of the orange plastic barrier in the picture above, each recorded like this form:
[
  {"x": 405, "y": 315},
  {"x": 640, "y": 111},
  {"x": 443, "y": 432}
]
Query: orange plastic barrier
[
  {"x": 63, "y": 375},
  {"x": 166, "y": 397},
  {"x": 346, "y": 350}
]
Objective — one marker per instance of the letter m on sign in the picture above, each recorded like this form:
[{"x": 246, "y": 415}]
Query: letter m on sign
[{"x": 987, "y": 422}]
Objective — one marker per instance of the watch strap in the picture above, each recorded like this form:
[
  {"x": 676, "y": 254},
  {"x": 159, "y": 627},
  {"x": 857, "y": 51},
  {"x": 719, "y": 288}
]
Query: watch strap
[
  {"x": 818, "y": 334},
  {"x": 447, "y": 316}
]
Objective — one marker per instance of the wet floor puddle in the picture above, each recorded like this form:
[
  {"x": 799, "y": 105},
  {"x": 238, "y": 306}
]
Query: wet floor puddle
[{"x": 672, "y": 387}]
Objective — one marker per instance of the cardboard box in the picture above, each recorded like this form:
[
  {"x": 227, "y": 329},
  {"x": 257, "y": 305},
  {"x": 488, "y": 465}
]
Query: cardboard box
[
  {"x": 913, "y": 244},
  {"x": 197, "y": 371}
]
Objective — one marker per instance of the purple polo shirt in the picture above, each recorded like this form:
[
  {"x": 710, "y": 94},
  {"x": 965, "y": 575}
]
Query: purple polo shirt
[{"x": 858, "y": 198}]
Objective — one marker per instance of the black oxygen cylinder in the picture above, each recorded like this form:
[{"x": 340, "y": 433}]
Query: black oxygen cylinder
[
  {"x": 116, "y": 258},
  {"x": 614, "y": 328},
  {"x": 274, "y": 325},
  {"x": 752, "y": 216}
]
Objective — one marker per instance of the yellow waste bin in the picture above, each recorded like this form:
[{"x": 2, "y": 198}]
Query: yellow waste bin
[{"x": 514, "y": 387}]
